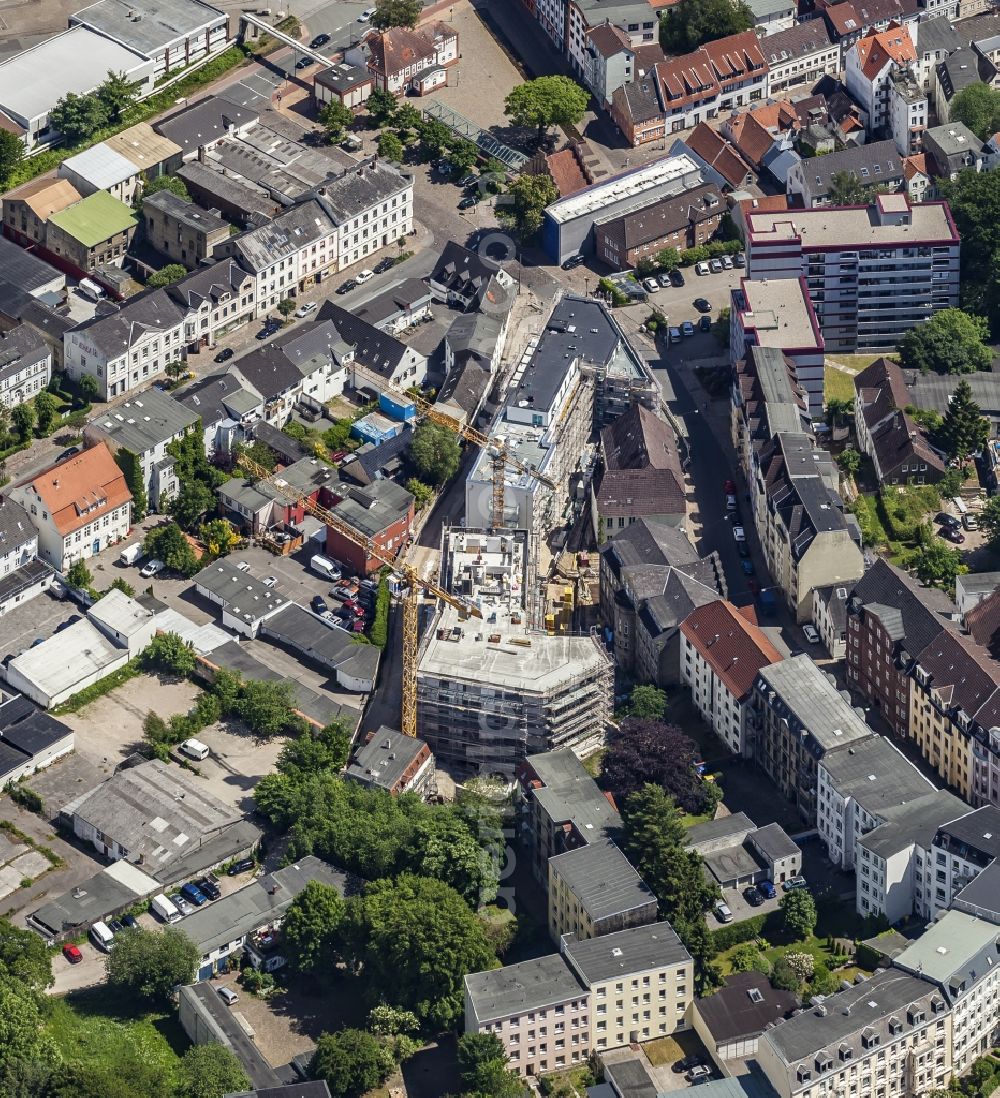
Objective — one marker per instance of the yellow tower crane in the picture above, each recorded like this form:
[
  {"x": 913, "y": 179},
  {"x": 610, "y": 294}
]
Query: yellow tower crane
[
  {"x": 415, "y": 582},
  {"x": 500, "y": 456}
]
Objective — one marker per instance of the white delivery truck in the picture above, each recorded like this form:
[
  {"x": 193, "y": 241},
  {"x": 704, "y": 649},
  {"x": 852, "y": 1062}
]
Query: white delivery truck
[
  {"x": 131, "y": 553},
  {"x": 162, "y": 907},
  {"x": 195, "y": 749},
  {"x": 327, "y": 568}
]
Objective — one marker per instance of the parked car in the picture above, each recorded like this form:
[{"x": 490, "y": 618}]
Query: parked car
[
  {"x": 663, "y": 279},
  {"x": 677, "y": 277},
  {"x": 574, "y": 261},
  {"x": 115, "y": 926},
  {"x": 243, "y": 566},
  {"x": 72, "y": 953},
  {"x": 767, "y": 889},
  {"x": 739, "y": 260},
  {"x": 675, "y": 335},
  {"x": 650, "y": 285},
  {"x": 182, "y": 905},
  {"x": 225, "y": 354},
  {"x": 798, "y": 881},
  {"x": 341, "y": 592},
  {"x": 269, "y": 581},
  {"x": 210, "y": 888},
  {"x": 67, "y": 454},
  {"x": 151, "y": 568},
  {"x": 970, "y": 522},
  {"x": 468, "y": 180},
  {"x": 318, "y": 605},
  {"x": 468, "y": 202},
  {"x": 747, "y": 565},
  {"x": 810, "y": 633},
  {"x": 364, "y": 276},
  {"x": 226, "y": 994},
  {"x": 752, "y": 896},
  {"x": 241, "y": 866},
  {"x": 715, "y": 266},
  {"x": 687, "y": 1064},
  {"x": 743, "y": 549},
  {"x": 701, "y": 268},
  {"x": 722, "y": 912},
  {"x": 384, "y": 265},
  {"x": 739, "y": 534},
  {"x": 268, "y": 330},
  {"x": 942, "y": 518},
  {"x": 729, "y": 488},
  {"x": 953, "y": 535},
  {"x": 687, "y": 328},
  {"x": 705, "y": 323},
  {"x": 319, "y": 40},
  {"x": 306, "y": 309},
  {"x": 346, "y": 287},
  {"x": 698, "y": 1074},
  {"x": 304, "y": 62},
  {"x": 703, "y": 305},
  {"x": 727, "y": 262},
  {"x": 130, "y": 921},
  {"x": 194, "y": 894}
]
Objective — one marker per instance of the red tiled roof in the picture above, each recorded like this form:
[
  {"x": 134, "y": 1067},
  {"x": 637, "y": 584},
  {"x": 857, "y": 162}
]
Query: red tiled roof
[
  {"x": 608, "y": 39},
  {"x": 82, "y": 489},
  {"x": 710, "y": 69},
  {"x": 915, "y": 165},
  {"x": 891, "y": 46},
  {"x": 718, "y": 154},
  {"x": 397, "y": 47},
  {"x": 566, "y": 172},
  {"x": 734, "y": 648}
]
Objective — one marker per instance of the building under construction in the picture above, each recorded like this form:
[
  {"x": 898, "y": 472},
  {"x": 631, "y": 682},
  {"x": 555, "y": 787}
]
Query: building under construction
[{"x": 491, "y": 692}]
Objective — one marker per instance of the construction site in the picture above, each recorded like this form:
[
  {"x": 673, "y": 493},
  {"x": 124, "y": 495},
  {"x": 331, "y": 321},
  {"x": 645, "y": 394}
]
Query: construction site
[{"x": 519, "y": 680}]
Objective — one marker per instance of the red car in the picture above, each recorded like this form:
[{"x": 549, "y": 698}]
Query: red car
[
  {"x": 729, "y": 488},
  {"x": 72, "y": 954}
]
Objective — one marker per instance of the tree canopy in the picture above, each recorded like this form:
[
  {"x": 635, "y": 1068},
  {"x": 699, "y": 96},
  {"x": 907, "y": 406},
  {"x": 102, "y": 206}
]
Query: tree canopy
[
  {"x": 151, "y": 963},
  {"x": 798, "y": 910},
  {"x": 949, "y": 342},
  {"x": 978, "y": 106},
  {"x": 690, "y": 23},
  {"x": 172, "y": 183},
  {"x": 522, "y": 208},
  {"x": 335, "y": 118},
  {"x": 168, "y": 543},
  {"x": 964, "y": 429},
  {"x": 434, "y": 451},
  {"x": 935, "y": 562},
  {"x": 396, "y": 13},
  {"x": 166, "y": 276},
  {"x": 546, "y": 101},
  {"x": 989, "y": 521},
  {"x": 311, "y": 930},
  {"x": 482, "y": 1063},
  {"x": 846, "y": 189},
  {"x": 11, "y": 155},
  {"x": 351, "y": 1061},
  {"x": 975, "y": 205},
  {"x": 210, "y": 1071},
  {"x": 648, "y": 702}
]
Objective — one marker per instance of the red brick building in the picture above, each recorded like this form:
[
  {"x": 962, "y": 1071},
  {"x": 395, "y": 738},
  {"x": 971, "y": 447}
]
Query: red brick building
[{"x": 381, "y": 511}]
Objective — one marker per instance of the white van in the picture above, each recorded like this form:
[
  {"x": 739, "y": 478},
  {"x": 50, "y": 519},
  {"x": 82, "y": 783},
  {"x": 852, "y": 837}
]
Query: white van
[
  {"x": 325, "y": 567},
  {"x": 131, "y": 553},
  {"x": 90, "y": 289},
  {"x": 195, "y": 749},
  {"x": 960, "y": 506},
  {"x": 101, "y": 936},
  {"x": 166, "y": 910}
]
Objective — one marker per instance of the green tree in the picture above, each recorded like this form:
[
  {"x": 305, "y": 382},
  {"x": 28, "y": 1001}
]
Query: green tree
[
  {"x": 649, "y": 702},
  {"x": 784, "y": 977},
  {"x": 149, "y": 964},
  {"x": 434, "y": 452},
  {"x": 209, "y": 1071},
  {"x": 11, "y": 155},
  {"x": 218, "y": 536},
  {"x": 168, "y": 543},
  {"x": 335, "y": 118},
  {"x": 838, "y": 411},
  {"x": 77, "y": 116},
  {"x": 823, "y": 982},
  {"x": 117, "y": 95},
  {"x": 406, "y": 118},
  {"x": 422, "y": 493},
  {"x": 798, "y": 911},
  {"x": 435, "y": 138},
  {"x": 351, "y": 1061},
  {"x": 846, "y": 189},
  {"x": 135, "y": 478},
  {"x": 166, "y": 276},
  {"x": 523, "y": 207},
  {"x": 23, "y": 1040},
  {"x": 390, "y": 147},
  {"x": 396, "y": 13},
  {"x": 546, "y": 101},
  {"x": 79, "y": 575},
  {"x": 45, "y": 412},
  {"x": 24, "y": 958},
  {"x": 964, "y": 430},
  {"x": 169, "y": 652},
  {"x": 748, "y": 958},
  {"x": 975, "y": 205},
  {"x": 286, "y": 307},
  {"x": 482, "y": 1064},
  {"x": 463, "y": 156},
  {"x": 935, "y": 562},
  {"x": 690, "y": 23},
  {"x": 124, "y": 586},
  {"x": 88, "y": 387},
  {"x": 169, "y": 183},
  {"x": 381, "y": 105},
  {"x": 265, "y": 707},
  {"x": 668, "y": 259},
  {"x": 23, "y": 420},
  {"x": 191, "y": 504},
  {"x": 850, "y": 462},
  {"x": 978, "y": 106},
  {"x": 415, "y": 939},
  {"x": 950, "y": 342},
  {"x": 442, "y": 847},
  {"x": 311, "y": 930},
  {"x": 989, "y": 521}
]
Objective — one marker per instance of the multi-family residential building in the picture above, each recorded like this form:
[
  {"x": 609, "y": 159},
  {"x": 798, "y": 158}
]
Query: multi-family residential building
[
  {"x": 878, "y": 74},
  {"x": 829, "y": 617},
  {"x": 391, "y": 761},
  {"x": 491, "y": 693},
  {"x": 891, "y": 619},
  {"x": 25, "y": 365},
  {"x": 889, "y": 1035},
  {"x": 933, "y": 40},
  {"x": 636, "y": 20},
  {"x": 594, "y": 890},
  {"x": 608, "y": 61},
  {"x": 94, "y": 232},
  {"x": 356, "y": 340},
  {"x": 877, "y": 163},
  {"x": 182, "y": 231},
  {"x": 959, "y": 70},
  {"x": 560, "y": 808},
  {"x": 641, "y": 475},
  {"x": 138, "y": 433},
  {"x": 27, "y": 209},
  {"x": 538, "y": 1009},
  {"x": 871, "y": 273},
  {"x": 800, "y": 54},
  {"x": 958, "y": 953},
  {"x": 857, "y": 784},
  {"x": 807, "y": 538},
  {"x": 953, "y": 148},
  {"x": 960, "y": 850},
  {"x": 651, "y": 578},
  {"x": 797, "y": 716},
  {"x": 79, "y": 507},
  {"x": 22, "y": 574},
  {"x": 720, "y": 161},
  {"x": 641, "y": 982},
  {"x": 721, "y": 653},
  {"x": 766, "y": 398},
  {"x": 401, "y": 59}
]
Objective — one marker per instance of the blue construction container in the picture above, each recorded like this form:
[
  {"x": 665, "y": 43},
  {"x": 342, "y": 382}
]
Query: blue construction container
[
  {"x": 375, "y": 428},
  {"x": 397, "y": 407}
]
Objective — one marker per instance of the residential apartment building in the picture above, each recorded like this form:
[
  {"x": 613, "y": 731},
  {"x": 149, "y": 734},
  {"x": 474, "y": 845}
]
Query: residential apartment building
[
  {"x": 641, "y": 982},
  {"x": 182, "y": 231},
  {"x": 608, "y": 61},
  {"x": 538, "y": 1009},
  {"x": 797, "y": 716},
  {"x": 22, "y": 574},
  {"x": 960, "y": 850},
  {"x": 391, "y": 761},
  {"x": 871, "y": 274},
  {"x": 25, "y": 365},
  {"x": 27, "y": 209},
  {"x": 958, "y": 953},
  {"x": 766, "y": 398},
  {"x": 807, "y": 539},
  {"x": 401, "y": 59},
  {"x": 721, "y": 653},
  {"x": 890, "y": 1035},
  {"x": 94, "y": 232},
  {"x": 877, "y": 163},
  {"x": 636, "y": 20},
  {"x": 891, "y": 619},
  {"x": 878, "y": 73},
  {"x": 481, "y": 704},
  {"x": 594, "y": 890},
  {"x": 800, "y": 54},
  {"x": 954, "y": 148},
  {"x": 138, "y": 434},
  {"x": 79, "y": 507}
]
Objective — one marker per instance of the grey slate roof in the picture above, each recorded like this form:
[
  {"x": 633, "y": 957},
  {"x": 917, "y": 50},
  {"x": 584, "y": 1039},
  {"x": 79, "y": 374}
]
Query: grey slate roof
[
  {"x": 19, "y": 348},
  {"x": 569, "y": 793},
  {"x": 208, "y": 396},
  {"x": 374, "y": 181},
  {"x": 204, "y": 122},
  {"x": 626, "y": 951},
  {"x": 602, "y": 879},
  {"x": 963, "y": 68},
  {"x": 876, "y": 774},
  {"x": 529, "y": 985},
  {"x": 798, "y": 41},
  {"x": 145, "y": 421},
  {"x": 115, "y": 332},
  {"x": 383, "y": 760},
  {"x": 731, "y": 1013},
  {"x": 818, "y": 171},
  {"x": 975, "y": 835},
  {"x": 379, "y": 351},
  {"x": 374, "y": 507},
  {"x": 295, "y": 627},
  {"x": 921, "y": 612},
  {"x": 186, "y": 212},
  {"x": 23, "y": 269},
  {"x": 290, "y": 231},
  {"x": 774, "y": 842},
  {"x": 212, "y": 185},
  {"x": 915, "y": 822},
  {"x": 210, "y": 282},
  {"x": 242, "y": 595},
  {"x": 936, "y": 35}
]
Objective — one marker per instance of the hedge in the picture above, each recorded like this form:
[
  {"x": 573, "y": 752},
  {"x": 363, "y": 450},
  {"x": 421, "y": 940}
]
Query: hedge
[
  {"x": 769, "y": 926},
  {"x": 378, "y": 634}
]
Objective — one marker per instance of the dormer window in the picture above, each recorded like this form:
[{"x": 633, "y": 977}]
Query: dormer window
[
  {"x": 824, "y": 1062},
  {"x": 895, "y": 1027},
  {"x": 846, "y": 1053},
  {"x": 804, "y": 1074},
  {"x": 915, "y": 1017},
  {"x": 869, "y": 1038}
]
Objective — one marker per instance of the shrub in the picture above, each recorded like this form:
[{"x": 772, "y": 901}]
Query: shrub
[{"x": 26, "y": 798}]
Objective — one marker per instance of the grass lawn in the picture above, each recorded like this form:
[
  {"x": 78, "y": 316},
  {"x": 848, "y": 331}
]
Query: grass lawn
[
  {"x": 857, "y": 363},
  {"x": 664, "y": 1050},
  {"x": 592, "y": 763},
  {"x": 837, "y": 385},
  {"x": 89, "y": 1027}
]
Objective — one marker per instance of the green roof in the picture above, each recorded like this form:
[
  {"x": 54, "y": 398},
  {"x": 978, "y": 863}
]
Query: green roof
[{"x": 93, "y": 219}]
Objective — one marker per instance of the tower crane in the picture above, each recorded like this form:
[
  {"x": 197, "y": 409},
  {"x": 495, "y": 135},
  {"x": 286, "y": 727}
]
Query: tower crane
[
  {"x": 414, "y": 580},
  {"x": 500, "y": 455}
]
